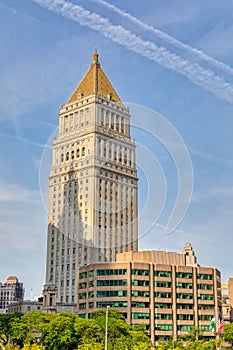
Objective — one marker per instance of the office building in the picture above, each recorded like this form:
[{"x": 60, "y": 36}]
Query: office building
[{"x": 167, "y": 292}]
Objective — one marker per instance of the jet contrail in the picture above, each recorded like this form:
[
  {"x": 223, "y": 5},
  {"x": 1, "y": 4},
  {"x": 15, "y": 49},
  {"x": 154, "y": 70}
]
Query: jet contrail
[
  {"x": 118, "y": 34},
  {"x": 166, "y": 37}
]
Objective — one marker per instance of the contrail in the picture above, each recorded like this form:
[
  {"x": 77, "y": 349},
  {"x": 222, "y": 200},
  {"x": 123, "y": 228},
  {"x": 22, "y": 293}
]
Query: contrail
[
  {"x": 166, "y": 37},
  {"x": 118, "y": 34}
]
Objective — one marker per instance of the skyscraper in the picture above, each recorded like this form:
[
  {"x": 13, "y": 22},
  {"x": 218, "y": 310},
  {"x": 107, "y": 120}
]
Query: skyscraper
[{"x": 93, "y": 183}]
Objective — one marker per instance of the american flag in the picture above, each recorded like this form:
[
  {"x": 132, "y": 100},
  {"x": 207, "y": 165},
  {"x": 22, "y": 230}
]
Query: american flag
[{"x": 220, "y": 324}]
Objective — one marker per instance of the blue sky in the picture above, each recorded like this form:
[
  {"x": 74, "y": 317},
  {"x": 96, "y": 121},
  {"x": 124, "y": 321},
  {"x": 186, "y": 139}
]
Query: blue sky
[{"x": 171, "y": 57}]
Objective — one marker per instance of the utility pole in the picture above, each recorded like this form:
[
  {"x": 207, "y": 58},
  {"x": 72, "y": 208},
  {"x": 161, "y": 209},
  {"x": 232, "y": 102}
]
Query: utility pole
[{"x": 106, "y": 330}]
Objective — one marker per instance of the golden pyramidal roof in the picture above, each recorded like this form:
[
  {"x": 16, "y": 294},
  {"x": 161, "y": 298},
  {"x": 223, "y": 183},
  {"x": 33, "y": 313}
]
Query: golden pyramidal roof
[{"x": 95, "y": 82}]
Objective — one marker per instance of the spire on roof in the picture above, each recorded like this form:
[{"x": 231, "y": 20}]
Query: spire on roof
[{"x": 95, "y": 82}]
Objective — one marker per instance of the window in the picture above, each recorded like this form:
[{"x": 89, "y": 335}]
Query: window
[
  {"x": 108, "y": 272},
  {"x": 140, "y": 272},
  {"x": 82, "y": 275},
  {"x": 140, "y": 293},
  {"x": 163, "y": 316},
  {"x": 203, "y": 276},
  {"x": 109, "y": 283},
  {"x": 163, "y": 295},
  {"x": 163, "y": 273},
  {"x": 184, "y": 275},
  {"x": 163, "y": 284},
  {"x": 142, "y": 283},
  {"x": 140, "y": 316},
  {"x": 184, "y": 296},
  {"x": 116, "y": 304},
  {"x": 111, "y": 293}
]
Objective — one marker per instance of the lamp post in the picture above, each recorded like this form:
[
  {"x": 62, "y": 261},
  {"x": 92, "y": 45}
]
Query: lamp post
[{"x": 106, "y": 330}]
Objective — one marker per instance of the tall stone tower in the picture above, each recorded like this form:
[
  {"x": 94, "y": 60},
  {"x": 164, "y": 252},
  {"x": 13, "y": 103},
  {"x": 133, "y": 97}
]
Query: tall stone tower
[{"x": 93, "y": 183}]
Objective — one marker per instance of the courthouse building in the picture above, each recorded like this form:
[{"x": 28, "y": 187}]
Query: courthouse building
[
  {"x": 93, "y": 188},
  {"x": 167, "y": 292}
]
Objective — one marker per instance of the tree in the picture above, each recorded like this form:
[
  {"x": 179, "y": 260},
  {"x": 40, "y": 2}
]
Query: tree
[{"x": 228, "y": 333}]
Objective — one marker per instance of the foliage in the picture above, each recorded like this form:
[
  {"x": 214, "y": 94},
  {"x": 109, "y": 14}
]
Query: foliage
[
  {"x": 65, "y": 331},
  {"x": 228, "y": 332}
]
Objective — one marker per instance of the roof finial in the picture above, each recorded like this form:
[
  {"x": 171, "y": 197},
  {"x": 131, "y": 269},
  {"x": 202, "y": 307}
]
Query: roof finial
[{"x": 95, "y": 57}]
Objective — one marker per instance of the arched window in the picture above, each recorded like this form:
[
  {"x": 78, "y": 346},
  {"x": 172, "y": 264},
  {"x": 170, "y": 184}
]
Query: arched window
[
  {"x": 83, "y": 151},
  {"x": 67, "y": 156}
]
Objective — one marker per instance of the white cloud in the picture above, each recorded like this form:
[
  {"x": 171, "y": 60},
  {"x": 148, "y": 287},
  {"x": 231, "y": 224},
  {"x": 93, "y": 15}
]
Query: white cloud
[
  {"x": 168, "y": 38},
  {"x": 193, "y": 71}
]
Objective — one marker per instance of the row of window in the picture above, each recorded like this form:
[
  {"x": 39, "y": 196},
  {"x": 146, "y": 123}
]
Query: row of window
[{"x": 187, "y": 275}]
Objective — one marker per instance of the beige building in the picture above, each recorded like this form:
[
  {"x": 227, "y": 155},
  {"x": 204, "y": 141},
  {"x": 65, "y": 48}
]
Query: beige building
[
  {"x": 167, "y": 292},
  {"x": 11, "y": 291},
  {"x": 227, "y": 301},
  {"x": 93, "y": 183}
]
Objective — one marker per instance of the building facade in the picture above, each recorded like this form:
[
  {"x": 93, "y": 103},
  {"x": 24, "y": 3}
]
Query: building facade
[
  {"x": 92, "y": 212},
  {"x": 11, "y": 291},
  {"x": 227, "y": 301},
  {"x": 167, "y": 292}
]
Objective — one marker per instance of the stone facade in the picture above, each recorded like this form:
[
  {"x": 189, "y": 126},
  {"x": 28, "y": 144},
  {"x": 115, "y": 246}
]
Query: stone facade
[
  {"x": 93, "y": 183},
  {"x": 11, "y": 291}
]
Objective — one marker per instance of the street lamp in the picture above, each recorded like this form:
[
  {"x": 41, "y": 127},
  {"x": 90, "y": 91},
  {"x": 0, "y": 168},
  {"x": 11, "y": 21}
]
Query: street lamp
[{"x": 106, "y": 330}]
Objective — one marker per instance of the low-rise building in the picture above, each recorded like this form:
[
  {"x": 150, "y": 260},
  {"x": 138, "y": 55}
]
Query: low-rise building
[
  {"x": 11, "y": 291},
  {"x": 167, "y": 292},
  {"x": 227, "y": 301}
]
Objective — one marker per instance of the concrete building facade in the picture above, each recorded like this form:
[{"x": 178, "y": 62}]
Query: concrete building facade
[
  {"x": 11, "y": 291},
  {"x": 167, "y": 292},
  {"x": 227, "y": 301},
  {"x": 92, "y": 212}
]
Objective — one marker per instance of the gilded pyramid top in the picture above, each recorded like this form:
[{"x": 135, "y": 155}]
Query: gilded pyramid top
[{"x": 95, "y": 82}]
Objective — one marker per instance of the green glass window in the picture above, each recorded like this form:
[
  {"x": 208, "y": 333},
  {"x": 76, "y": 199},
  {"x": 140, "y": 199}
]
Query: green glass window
[
  {"x": 163, "y": 295},
  {"x": 184, "y": 296},
  {"x": 205, "y": 307},
  {"x": 82, "y": 295},
  {"x": 203, "y": 276},
  {"x": 140, "y": 304},
  {"x": 111, "y": 293},
  {"x": 109, "y": 272},
  {"x": 184, "y": 275},
  {"x": 91, "y": 305},
  {"x": 108, "y": 283},
  {"x": 204, "y": 317},
  {"x": 163, "y": 316},
  {"x": 205, "y": 297},
  {"x": 185, "y": 317},
  {"x": 91, "y": 294},
  {"x": 140, "y": 293},
  {"x": 91, "y": 284},
  {"x": 184, "y": 306},
  {"x": 184, "y": 327},
  {"x": 140, "y": 316},
  {"x": 163, "y": 273},
  {"x": 104, "y": 304},
  {"x": 203, "y": 286},
  {"x": 82, "y": 285},
  {"x": 82, "y": 315},
  {"x": 82, "y": 275},
  {"x": 163, "y": 327},
  {"x": 142, "y": 283},
  {"x": 139, "y": 272},
  {"x": 82, "y": 306},
  {"x": 163, "y": 284},
  {"x": 163, "y": 305},
  {"x": 91, "y": 273},
  {"x": 184, "y": 285}
]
